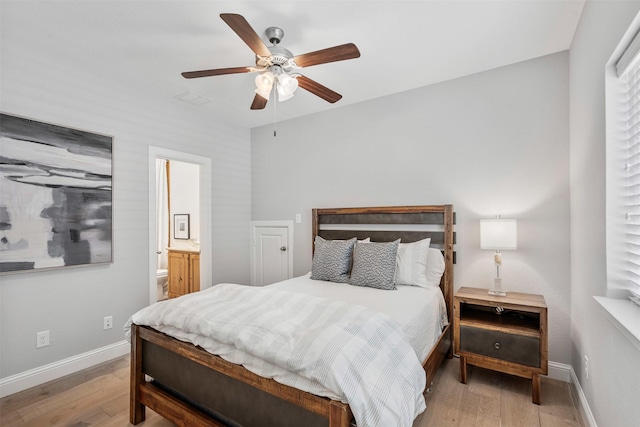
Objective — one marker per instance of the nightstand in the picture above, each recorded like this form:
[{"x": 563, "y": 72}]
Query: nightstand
[{"x": 506, "y": 334}]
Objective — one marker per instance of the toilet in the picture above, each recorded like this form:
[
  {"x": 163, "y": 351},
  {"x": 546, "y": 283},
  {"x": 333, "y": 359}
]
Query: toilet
[{"x": 162, "y": 279}]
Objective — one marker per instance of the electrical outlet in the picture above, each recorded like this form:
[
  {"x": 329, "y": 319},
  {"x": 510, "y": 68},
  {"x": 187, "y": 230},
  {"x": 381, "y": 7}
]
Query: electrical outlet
[
  {"x": 108, "y": 323},
  {"x": 586, "y": 366},
  {"x": 42, "y": 339}
]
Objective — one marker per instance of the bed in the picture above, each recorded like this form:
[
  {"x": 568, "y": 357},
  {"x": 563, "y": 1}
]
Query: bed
[{"x": 189, "y": 385}]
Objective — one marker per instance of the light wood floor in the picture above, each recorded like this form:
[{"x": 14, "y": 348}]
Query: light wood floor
[
  {"x": 99, "y": 396},
  {"x": 494, "y": 399}
]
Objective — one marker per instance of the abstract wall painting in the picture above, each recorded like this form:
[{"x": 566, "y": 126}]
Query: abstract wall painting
[{"x": 55, "y": 196}]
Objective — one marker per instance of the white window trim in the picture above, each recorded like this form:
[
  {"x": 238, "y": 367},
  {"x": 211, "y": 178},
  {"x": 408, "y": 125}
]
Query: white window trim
[{"x": 622, "y": 313}]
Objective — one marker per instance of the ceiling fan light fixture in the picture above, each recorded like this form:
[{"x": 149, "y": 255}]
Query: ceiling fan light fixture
[
  {"x": 264, "y": 82},
  {"x": 286, "y": 87},
  {"x": 282, "y": 94}
]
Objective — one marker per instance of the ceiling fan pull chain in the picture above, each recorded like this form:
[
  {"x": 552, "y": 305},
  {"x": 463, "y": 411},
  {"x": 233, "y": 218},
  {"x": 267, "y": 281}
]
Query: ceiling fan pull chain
[{"x": 275, "y": 103}]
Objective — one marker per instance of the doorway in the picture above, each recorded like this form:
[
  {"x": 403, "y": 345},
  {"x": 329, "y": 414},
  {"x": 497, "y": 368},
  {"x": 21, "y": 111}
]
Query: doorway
[{"x": 199, "y": 221}]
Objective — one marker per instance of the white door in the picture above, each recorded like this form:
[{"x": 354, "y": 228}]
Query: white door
[{"x": 272, "y": 252}]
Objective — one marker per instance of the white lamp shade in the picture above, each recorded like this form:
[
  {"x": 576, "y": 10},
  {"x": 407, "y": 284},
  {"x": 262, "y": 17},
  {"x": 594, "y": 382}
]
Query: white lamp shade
[
  {"x": 499, "y": 234},
  {"x": 282, "y": 96},
  {"x": 287, "y": 85},
  {"x": 264, "y": 82}
]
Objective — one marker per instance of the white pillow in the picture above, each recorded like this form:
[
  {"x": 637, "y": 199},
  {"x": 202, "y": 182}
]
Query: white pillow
[
  {"x": 435, "y": 267},
  {"x": 411, "y": 263}
]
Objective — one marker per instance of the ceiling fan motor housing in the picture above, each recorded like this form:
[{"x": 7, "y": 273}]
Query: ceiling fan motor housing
[{"x": 279, "y": 56}]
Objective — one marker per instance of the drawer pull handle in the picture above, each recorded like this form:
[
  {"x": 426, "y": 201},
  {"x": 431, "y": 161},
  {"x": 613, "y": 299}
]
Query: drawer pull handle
[{"x": 497, "y": 346}]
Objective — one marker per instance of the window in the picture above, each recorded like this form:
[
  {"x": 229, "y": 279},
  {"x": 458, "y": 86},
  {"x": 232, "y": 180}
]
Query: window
[{"x": 623, "y": 168}]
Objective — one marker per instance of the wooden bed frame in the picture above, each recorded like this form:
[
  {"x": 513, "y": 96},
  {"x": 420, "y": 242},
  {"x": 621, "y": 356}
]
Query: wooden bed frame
[{"x": 186, "y": 376}]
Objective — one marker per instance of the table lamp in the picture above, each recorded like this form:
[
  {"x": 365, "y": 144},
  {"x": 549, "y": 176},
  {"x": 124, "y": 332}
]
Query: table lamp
[{"x": 498, "y": 234}]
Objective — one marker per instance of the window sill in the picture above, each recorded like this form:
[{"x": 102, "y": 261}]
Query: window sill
[{"x": 624, "y": 315}]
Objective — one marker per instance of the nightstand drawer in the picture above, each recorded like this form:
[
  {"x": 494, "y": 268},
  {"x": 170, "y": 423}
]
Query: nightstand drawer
[{"x": 500, "y": 345}]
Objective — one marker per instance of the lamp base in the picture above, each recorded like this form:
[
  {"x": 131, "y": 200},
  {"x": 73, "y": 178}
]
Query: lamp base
[
  {"x": 497, "y": 288},
  {"x": 497, "y": 293}
]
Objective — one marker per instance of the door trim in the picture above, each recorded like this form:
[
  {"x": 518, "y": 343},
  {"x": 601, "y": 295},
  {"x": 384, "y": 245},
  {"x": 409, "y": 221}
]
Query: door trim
[
  {"x": 205, "y": 214},
  {"x": 252, "y": 242}
]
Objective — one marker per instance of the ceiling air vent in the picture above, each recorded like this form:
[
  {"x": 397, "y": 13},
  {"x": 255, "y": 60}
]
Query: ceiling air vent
[{"x": 192, "y": 98}]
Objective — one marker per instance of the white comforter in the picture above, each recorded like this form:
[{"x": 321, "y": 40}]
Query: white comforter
[
  {"x": 346, "y": 352},
  {"x": 421, "y": 312}
]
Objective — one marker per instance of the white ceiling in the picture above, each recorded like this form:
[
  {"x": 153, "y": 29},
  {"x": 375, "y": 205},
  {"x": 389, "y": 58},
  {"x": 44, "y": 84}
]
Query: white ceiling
[{"x": 144, "y": 45}]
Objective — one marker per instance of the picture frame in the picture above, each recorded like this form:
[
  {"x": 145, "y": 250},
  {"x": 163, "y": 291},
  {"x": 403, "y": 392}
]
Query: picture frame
[
  {"x": 55, "y": 196},
  {"x": 181, "y": 228}
]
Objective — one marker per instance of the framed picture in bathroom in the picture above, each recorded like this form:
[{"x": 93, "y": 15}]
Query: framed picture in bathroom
[{"x": 181, "y": 226}]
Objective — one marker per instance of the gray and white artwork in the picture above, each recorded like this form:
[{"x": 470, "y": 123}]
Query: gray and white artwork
[{"x": 55, "y": 196}]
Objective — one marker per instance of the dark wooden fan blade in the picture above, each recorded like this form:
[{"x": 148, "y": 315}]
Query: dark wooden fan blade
[
  {"x": 215, "y": 72},
  {"x": 331, "y": 54},
  {"x": 246, "y": 33},
  {"x": 319, "y": 90},
  {"x": 258, "y": 102}
]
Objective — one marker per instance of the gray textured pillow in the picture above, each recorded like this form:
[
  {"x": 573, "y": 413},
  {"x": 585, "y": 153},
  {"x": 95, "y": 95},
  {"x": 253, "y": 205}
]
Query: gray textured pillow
[
  {"x": 374, "y": 265},
  {"x": 332, "y": 259}
]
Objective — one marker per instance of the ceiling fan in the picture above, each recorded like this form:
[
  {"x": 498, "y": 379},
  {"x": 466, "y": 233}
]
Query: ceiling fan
[{"x": 277, "y": 66}]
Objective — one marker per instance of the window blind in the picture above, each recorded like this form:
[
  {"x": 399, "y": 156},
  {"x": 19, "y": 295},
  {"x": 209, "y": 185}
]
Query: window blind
[
  {"x": 630, "y": 153},
  {"x": 629, "y": 56}
]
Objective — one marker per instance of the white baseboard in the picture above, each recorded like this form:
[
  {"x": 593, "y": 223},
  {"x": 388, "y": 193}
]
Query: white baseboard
[
  {"x": 562, "y": 372},
  {"x": 52, "y": 371},
  {"x": 583, "y": 405}
]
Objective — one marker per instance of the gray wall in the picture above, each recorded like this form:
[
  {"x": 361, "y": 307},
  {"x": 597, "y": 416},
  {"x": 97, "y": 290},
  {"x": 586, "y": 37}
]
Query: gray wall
[
  {"x": 491, "y": 143},
  {"x": 71, "y": 303},
  {"x": 613, "y": 386}
]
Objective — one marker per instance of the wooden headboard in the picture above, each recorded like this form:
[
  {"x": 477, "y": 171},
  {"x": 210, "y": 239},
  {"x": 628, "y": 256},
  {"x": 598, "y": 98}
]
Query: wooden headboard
[{"x": 386, "y": 224}]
